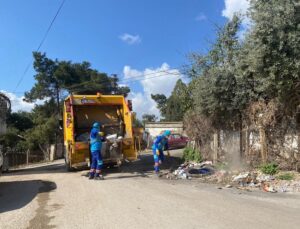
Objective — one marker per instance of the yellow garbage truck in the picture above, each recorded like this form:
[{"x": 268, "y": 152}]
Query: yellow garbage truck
[{"x": 113, "y": 113}]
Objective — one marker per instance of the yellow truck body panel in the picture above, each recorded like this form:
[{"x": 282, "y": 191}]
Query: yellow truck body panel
[{"x": 112, "y": 111}]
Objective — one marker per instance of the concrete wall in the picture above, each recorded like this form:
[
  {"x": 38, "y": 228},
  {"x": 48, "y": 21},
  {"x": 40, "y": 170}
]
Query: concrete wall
[
  {"x": 155, "y": 128},
  {"x": 152, "y": 129},
  {"x": 227, "y": 147}
]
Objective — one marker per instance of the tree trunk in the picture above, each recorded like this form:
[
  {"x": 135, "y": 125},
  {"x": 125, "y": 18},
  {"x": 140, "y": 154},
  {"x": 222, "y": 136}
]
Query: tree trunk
[
  {"x": 263, "y": 144},
  {"x": 27, "y": 156},
  {"x": 45, "y": 152},
  {"x": 57, "y": 101},
  {"x": 241, "y": 136},
  {"x": 215, "y": 148},
  {"x": 247, "y": 142},
  {"x": 56, "y": 134}
]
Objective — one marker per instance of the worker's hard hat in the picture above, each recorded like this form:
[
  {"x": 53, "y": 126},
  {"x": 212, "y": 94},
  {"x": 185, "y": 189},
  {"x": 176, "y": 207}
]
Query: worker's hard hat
[
  {"x": 167, "y": 133},
  {"x": 96, "y": 125}
]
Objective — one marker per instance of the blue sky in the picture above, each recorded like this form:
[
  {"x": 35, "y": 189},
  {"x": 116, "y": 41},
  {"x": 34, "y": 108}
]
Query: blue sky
[{"x": 129, "y": 38}]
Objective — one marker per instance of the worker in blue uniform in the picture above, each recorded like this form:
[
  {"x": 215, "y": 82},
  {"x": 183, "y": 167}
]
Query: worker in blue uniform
[
  {"x": 95, "y": 148},
  {"x": 160, "y": 144}
]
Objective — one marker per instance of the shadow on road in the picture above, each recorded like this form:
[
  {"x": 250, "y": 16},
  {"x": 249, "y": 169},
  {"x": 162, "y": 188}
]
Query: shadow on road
[
  {"x": 49, "y": 168},
  {"x": 143, "y": 167},
  {"x": 145, "y": 164},
  {"x": 17, "y": 194}
]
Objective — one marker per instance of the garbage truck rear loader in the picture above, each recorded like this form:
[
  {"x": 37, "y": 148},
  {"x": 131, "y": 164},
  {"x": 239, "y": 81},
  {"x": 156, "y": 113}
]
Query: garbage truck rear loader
[{"x": 113, "y": 112}]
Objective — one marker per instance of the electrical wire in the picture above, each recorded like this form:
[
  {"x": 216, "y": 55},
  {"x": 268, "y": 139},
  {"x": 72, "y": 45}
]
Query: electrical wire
[
  {"x": 129, "y": 79},
  {"x": 141, "y": 77},
  {"x": 41, "y": 43},
  {"x": 128, "y": 82}
]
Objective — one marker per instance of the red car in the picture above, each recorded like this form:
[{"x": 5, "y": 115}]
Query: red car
[{"x": 177, "y": 141}]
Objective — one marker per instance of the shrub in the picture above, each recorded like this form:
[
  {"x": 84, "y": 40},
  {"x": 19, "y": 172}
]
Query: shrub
[
  {"x": 222, "y": 166},
  {"x": 286, "y": 176},
  {"x": 190, "y": 154},
  {"x": 270, "y": 168}
]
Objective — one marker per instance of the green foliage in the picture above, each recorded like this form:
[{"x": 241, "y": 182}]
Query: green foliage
[
  {"x": 190, "y": 154},
  {"x": 264, "y": 66},
  {"x": 137, "y": 123},
  {"x": 269, "y": 168},
  {"x": 79, "y": 78},
  {"x": 20, "y": 120},
  {"x": 53, "y": 80},
  {"x": 148, "y": 118},
  {"x": 215, "y": 86},
  {"x": 174, "y": 107},
  {"x": 161, "y": 102},
  {"x": 42, "y": 135},
  {"x": 35, "y": 130},
  {"x": 45, "y": 127},
  {"x": 274, "y": 50},
  {"x": 286, "y": 176},
  {"x": 10, "y": 138},
  {"x": 54, "y": 77},
  {"x": 222, "y": 166}
]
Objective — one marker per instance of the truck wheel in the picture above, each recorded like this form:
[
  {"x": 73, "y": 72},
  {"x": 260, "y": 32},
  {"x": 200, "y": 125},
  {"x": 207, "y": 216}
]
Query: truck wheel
[{"x": 67, "y": 161}]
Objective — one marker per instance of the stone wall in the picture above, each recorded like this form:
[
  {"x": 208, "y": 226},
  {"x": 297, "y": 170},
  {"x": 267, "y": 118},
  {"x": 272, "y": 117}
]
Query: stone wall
[
  {"x": 156, "y": 128},
  {"x": 153, "y": 129},
  {"x": 236, "y": 149}
]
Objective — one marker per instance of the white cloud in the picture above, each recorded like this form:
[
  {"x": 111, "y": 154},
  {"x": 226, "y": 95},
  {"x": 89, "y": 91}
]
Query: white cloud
[
  {"x": 201, "y": 17},
  {"x": 235, "y": 6},
  {"x": 130, "y": 39},
  {"x": 241, "y": 7},
  {"x": 122, "y": 85},
  {"x": 159, "y": 80},
  {"x": 131, "y": 73},
  {"x": 17, "y": 103}
]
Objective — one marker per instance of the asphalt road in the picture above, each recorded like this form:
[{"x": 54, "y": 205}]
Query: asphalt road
[{"x": 47, "y": 196}]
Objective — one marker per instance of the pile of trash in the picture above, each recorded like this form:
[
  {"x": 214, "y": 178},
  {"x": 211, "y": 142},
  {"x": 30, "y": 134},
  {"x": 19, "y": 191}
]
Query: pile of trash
[
  {"x": 192, "y": 169},
  {"x": 267, "y": 183},
  {"x": 247, "y": 180}
]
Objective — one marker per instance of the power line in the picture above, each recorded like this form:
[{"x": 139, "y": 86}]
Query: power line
[
  {"x": 141, "y": 77},
  {"x": 132, "y": 81},
  {"x": 177, "y": 74},
  {"x": 129, "y": 79},
  {"x": 41, "y": 43}
]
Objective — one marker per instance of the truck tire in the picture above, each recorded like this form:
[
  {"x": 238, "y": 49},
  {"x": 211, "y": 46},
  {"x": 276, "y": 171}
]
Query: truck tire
[{"x": 67, "y": 161}]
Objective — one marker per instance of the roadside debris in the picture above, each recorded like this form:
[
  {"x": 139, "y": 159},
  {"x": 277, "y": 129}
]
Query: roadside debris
[
  {"x": 268, "y": 188},
  {"x": 265, "y": 178},
  {"x": 246, "y": 180},
  {"x": 188, "y": 170},
  {"x": 241, "y": 177}
]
